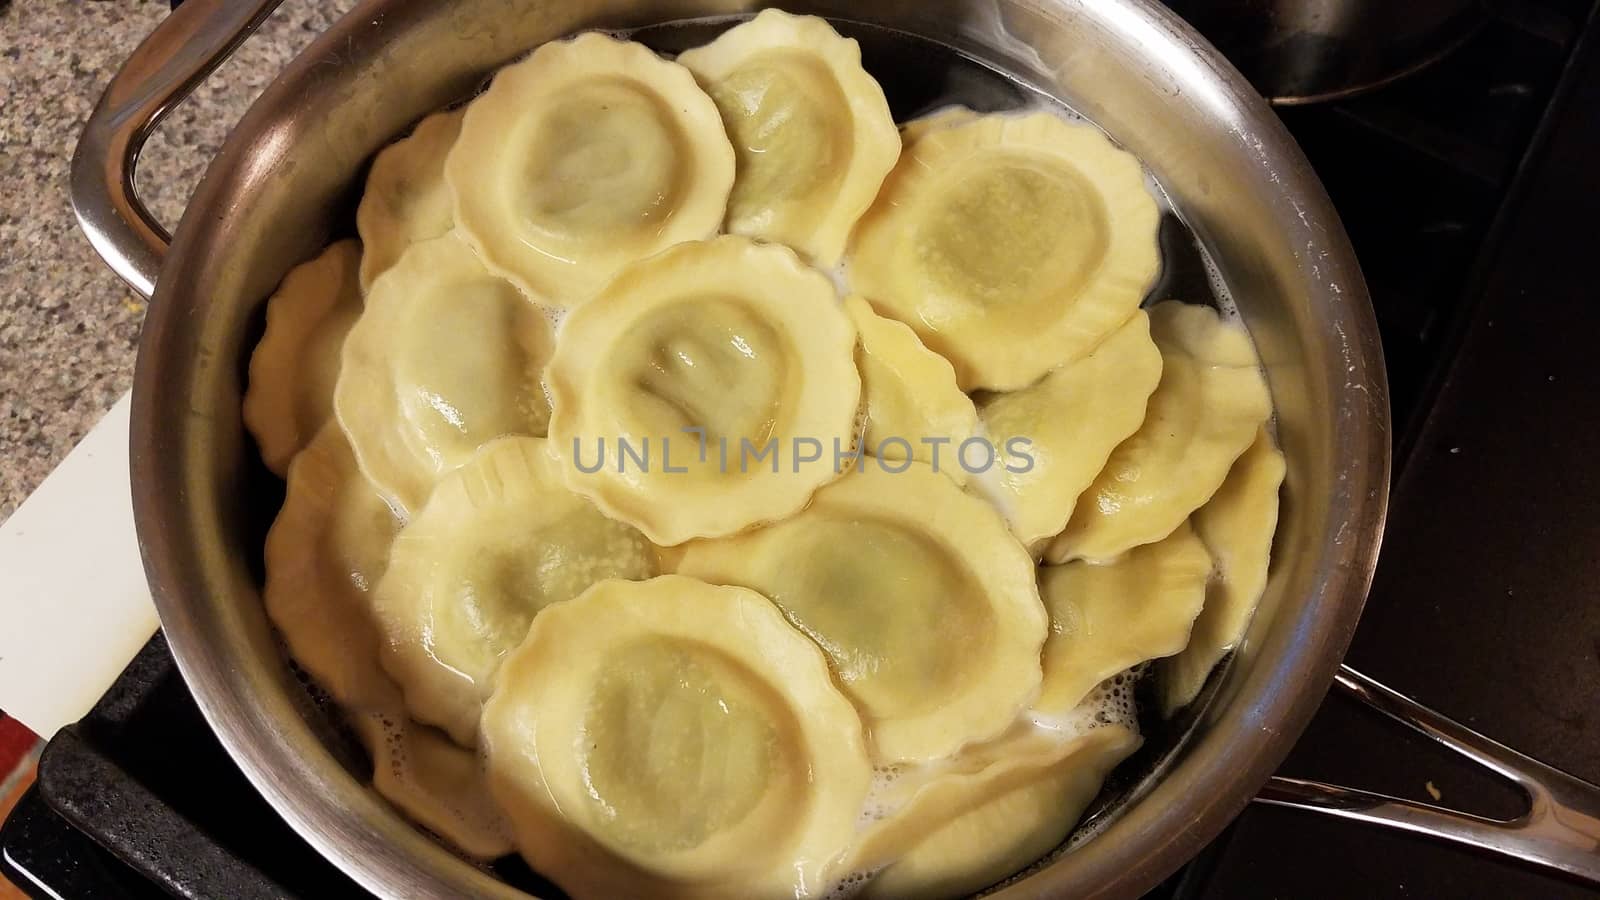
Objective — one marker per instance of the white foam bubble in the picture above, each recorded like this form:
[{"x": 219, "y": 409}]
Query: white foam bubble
[
  {"x": 850, "y": 885},
  {"x": 1226, "y": 307},
  {"x": 462, "y": 819},
  {"x": 1110, "y": 703},
  {"x": 840, "y": 276},
  {"x": 1046, "y": 103}
]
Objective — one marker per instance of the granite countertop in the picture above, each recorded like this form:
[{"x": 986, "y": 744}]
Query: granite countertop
[{"x": 68, "y": 327}]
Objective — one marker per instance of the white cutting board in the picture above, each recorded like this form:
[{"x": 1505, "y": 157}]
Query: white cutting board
[{"x": 74, "y": 604}]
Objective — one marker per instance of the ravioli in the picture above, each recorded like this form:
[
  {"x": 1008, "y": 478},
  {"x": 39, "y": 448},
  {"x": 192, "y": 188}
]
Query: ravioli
[
  {"x": 989, "y": 815},
  {"x": 589, "y": 154},
  {"x": 406, "y": 199},
  {"x": 294, "y": 367},
  {"x": 926, "y": 606},
  {"x": 1237, "y": 525},
  {"x": 498, "y": 541},
  {"x": 914, "y": 410},
  {"x": 545, "y": 377},
  {"x": 1109, "y": 617},
  {"x": 1206, "y": 410},
  {"x": 707, "y": 389},
  {"x": 1064, "y": 428},
  {"x": 435, "y": 783},
  {"x": 446, "y": 357},
  {"x": 1012, "y": 244},
  {"x": 328, "y": 546},
  {"x": 916, "y": 129},
  {"x": 811, "y": 130},
  {"x": 675, "y": 739}
]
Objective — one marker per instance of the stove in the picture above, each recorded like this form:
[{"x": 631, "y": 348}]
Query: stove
[{"x": 1471, "y": 193}]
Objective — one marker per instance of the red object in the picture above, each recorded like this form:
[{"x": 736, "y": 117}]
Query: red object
[
  {"x": 16, "y": 744},
  {"x": 16, "y": 774}
]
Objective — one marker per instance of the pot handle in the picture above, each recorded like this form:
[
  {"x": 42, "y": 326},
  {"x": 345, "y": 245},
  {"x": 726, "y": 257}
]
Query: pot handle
[
  {"x": 1560, "y": 830},
  {"x": 185, "y": 48}
]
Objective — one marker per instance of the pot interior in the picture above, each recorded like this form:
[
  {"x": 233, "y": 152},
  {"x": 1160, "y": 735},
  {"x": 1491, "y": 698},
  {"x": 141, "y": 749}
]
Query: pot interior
[{"x": 1246, "y": 218}]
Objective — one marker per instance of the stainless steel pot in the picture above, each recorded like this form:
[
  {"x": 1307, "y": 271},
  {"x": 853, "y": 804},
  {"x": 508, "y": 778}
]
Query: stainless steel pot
[{"x": 285, "y": 178}]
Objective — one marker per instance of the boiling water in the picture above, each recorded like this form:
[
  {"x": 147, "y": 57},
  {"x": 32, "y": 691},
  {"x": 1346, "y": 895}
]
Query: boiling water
[{"x": 921, "y": 77}]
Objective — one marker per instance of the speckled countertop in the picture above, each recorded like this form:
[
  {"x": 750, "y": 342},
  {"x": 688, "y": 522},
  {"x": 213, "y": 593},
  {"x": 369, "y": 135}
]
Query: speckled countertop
[{"x": 68, "y": 327}]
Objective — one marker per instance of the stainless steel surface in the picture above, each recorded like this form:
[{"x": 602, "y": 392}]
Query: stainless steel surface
[
  {"x": 1308, "y": 51},
  {"x": 1560, "y": 830},
  {"x": 285, "y": 176},
  {"x": 164, "y": 69}
]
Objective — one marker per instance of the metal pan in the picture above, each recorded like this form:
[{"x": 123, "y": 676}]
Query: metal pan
[{"x": 284, "y": 181}]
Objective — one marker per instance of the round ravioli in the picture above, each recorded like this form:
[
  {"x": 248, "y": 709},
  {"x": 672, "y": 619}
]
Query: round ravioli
[
  {"x": 1054, "y": 437},
  {"x": 498, "y": 541},
  {"x": 1205, "y": 411},
  {"x": 989, "y": 814},
  {"x": 1236, "y": 525},
  {"x": 1012, "y": 244},
  {"x": 435, "y": 783},
  {"x": 811, "y": 130},
  {"x": 328, "y": 546},
  {"x": 445, "y": 358},
  {"x": 1109, "y": 617},
  {"x": 589, "y": 154},
  {"x": 295, "y": 366},
  {"x": 706, "y": 389},
  {"x": 675, "y": 739},
  {"x": 406, "y": 199},
  {"x": 914, "y": 410},
  {"x": 923, "y": 601}
]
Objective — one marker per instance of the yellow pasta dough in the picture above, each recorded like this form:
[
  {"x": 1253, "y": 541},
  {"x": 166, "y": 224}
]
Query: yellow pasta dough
[
  {"x": 1237, "y": 525},
  {"x": 924, "y": 603},
  {"x": 725, "y": 367},
  {"x": 589, "y": 154},
  {"x": 327, "y": 548},
  {"x": 811, "y": 130},
  {"x": 407, "y": 200},
  {"x": 989, "y": 814},
  {"x": 914, "y": 410},
  {"x": 498, "y": 541},
  {"x": 1108, "y": 617},
  {"x": 1068, "y": 425},
  {"x": 675, "y": 739},
  {"x": 446, "y": 357},
  {"x": 1205, "y": 411},
  {"x": 295, "y": 366},
  {"x": 1011, "y": 243},
  {"x": 436, "y": 783}
]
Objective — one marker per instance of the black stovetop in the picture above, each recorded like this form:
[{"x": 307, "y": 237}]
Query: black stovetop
[{"x": 1472, "y": 193}]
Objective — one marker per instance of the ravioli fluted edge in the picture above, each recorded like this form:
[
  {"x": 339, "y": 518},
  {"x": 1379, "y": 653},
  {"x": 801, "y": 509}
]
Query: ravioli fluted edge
[
  {"x": 1011, "y": 243},
  {"x": 705, "y": 390},
  {"x": 811, "y": 130},
  {"x": 587, "y": 155},
  {"x": 925, "y": 604},
  {"x": 639, "y": 702}
]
